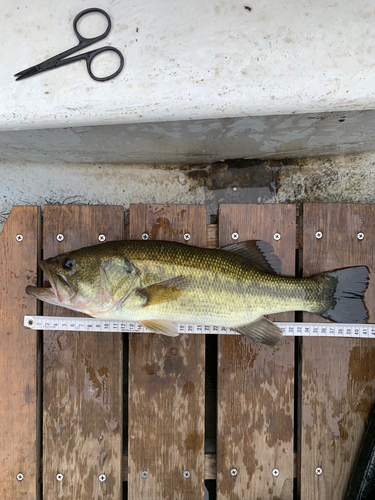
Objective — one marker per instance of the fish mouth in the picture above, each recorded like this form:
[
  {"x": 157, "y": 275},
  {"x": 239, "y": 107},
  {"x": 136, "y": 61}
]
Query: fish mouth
[{"x": 60, "y": 290}]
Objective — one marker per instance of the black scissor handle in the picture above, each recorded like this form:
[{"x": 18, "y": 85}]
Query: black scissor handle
[
  {"x": 96, "y": 38},
  {"x": 93, "y": 53}
]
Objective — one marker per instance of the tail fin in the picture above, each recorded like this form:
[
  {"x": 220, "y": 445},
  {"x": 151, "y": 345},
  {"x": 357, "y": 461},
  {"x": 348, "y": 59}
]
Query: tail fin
[{"x": 347, "y": 287}]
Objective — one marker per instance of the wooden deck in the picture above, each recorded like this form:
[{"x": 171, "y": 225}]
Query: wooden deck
[{"x": 138, "y": 408}]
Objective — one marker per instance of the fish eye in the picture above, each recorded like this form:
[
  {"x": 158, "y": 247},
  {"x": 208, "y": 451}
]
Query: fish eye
[{"x": 68, "y": 263}]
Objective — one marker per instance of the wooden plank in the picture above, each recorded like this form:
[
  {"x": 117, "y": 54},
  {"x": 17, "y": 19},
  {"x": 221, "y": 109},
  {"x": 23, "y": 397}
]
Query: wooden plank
[
  {"x": 18, "y": 356},
  {"x": 166, "y": 382},
  {"x": 212, "y": 236},
  {"x": 338, "y": 375},
  {"x": 256, "y": 382},
  {"x": 82, "y": 425}
]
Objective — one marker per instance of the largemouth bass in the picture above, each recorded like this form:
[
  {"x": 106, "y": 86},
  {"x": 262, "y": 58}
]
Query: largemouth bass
[{"x": 159, "y": 284}]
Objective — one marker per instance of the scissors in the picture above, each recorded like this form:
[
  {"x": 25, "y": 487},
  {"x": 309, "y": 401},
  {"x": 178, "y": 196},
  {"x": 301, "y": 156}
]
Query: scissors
[{"x": 59, "y": 59}]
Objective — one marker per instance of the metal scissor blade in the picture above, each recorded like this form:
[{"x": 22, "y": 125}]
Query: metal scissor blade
[{"x": 26, "y": 73}]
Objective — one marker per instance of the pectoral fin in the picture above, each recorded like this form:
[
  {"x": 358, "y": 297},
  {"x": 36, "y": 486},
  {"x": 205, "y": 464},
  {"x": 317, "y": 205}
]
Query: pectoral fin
[
  {"x": 160, "y": 326},
  {"x": 164, "y": 291},
  {"x": 262, "y": 330}
]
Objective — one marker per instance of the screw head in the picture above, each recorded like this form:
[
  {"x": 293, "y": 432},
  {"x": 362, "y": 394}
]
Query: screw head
[
  {"x": 318, "y": 471},
  {"x": 101, "y": 237},
  {"x": 144, "y": 236},
  {"x": 275, "y": 472},
  {"x": 102, "y": 478},
  {"x": 186, "y": 474},
  {"x": 276, "y": 236},
  {"x": 60, "y": 237},
  {"x": 19, "y": 237},
  {"x": 59, "y": 477},
  {"x": 186, "y": 236},
  {"x": 30, "y": 322},
  {"x": 318, "y": 235},
  {"x": 144, "y": 474},
  {"x": 234, "y": 236},
  {"x": 360, "y": 236},
  {"x": 19, "y": 476},
  {"x": 233, "y": 472}
]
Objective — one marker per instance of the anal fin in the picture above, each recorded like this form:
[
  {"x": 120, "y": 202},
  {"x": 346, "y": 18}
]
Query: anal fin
[
  {"x": 161, "y": 326},
  {"x": 261, "y": 330}
]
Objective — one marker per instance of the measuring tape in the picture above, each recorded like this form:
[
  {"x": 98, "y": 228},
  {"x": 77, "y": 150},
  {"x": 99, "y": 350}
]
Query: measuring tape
[{"x": 76, "y": 324}]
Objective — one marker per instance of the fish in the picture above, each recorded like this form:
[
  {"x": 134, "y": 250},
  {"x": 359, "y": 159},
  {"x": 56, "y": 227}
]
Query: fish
[{"x": 160, "y": 284}]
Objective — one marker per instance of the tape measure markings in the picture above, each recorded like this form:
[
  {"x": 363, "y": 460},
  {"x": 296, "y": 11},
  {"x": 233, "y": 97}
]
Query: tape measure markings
[{"x": 289, "y": 329}]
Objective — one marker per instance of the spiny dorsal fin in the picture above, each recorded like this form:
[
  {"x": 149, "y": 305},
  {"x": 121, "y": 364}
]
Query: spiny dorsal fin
[
  {"x": 161, "y": 326},
  {"x": 259, "y": 252},
  {"x": 262, "y": 330},
  {"x": 164, "y": 291}
]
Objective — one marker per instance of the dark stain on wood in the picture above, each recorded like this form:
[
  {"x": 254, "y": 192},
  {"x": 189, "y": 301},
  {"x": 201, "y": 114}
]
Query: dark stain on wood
[
  {"x": 194, "y": 442},
  {"x": 189, "y": 388},
  {"x": 149, "y": 368}
]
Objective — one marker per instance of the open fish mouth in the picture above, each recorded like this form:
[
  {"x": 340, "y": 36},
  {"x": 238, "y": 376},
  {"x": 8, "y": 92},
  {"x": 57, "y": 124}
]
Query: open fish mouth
[{"x": 59, "y": 291}]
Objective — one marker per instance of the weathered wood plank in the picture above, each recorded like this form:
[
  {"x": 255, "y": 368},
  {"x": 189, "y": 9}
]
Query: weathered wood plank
[
  {"x": 166, "y": 382},
  {"x": 18, "y": 356},
  {"x": 82, "y": 424},
  {"x": 212, "y": 236},
  {"x": 256, "y": 382},
  {"x": 338, "y": 375}
]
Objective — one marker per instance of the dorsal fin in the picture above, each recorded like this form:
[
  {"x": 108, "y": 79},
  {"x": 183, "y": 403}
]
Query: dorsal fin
[{"x": 259, "y": 252}]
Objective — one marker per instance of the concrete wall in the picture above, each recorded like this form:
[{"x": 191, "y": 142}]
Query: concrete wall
[{"x": 196, "y": 141}]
